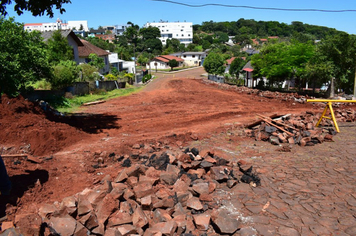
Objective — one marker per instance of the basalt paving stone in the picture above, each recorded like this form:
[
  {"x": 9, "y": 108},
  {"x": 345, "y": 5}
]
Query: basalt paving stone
[
  {"x": 281, "y": 222},
  {"x": 261, "y": 219},
  {"x": 276, "y": 212},
  {"x": 280, "y": 205},
  {"x": 350, "y": 200},
  {"x": 329, "y": 222},
  {"x": 288, "y": 231},
  {"x": 319, "y": 230},
  {"x": 266, "y": 230},
  {"x": 309, "y": 208}
]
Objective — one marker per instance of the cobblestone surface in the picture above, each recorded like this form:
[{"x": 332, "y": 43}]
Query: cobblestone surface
[{"x": 308, "y": 191}]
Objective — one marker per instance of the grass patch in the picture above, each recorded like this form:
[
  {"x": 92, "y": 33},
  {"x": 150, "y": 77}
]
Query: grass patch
[{"x": 71, "y": 105}]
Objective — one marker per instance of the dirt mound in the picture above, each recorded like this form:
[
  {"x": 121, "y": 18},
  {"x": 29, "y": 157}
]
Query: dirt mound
[{"x": 25, "y": 128}]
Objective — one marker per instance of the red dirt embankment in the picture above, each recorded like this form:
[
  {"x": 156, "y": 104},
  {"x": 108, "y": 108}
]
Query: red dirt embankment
[{"x": 25, "y": 128}]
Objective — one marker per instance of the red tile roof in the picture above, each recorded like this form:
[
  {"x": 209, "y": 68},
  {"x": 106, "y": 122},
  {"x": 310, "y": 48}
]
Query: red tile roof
[
  {"x": 31, "y": 24},
  {"x": 229, "y": 61},
  {"x": 167, "y": 58},
  {"x": 248, "y": 69},
  {"x": 88, "y": 48}
]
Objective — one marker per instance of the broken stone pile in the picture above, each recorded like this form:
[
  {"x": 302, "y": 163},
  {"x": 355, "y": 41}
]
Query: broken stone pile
[
  {"x": 345, "y": 115},
  {"x": 295, "y": 97},
  {"x": 166, "y": 194},
  {"x": 292, "y": 129}
]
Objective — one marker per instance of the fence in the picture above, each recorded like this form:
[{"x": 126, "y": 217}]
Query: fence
[{"x": 217, "y": 78}]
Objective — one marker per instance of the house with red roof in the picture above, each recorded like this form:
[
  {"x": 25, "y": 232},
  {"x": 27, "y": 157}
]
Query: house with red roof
[
  {"x": 192, "y": 58},
  {"x": 161, "y": 62},
  {"x": 87, "y": 49},
  {"x": 229, "y": 61}
]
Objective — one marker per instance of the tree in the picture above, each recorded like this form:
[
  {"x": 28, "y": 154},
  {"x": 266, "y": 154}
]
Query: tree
[
  {"x": 96, "y": 61},
  {"x": 87, "y": 72},
  {"x": 58, "y": 48},
  {"x": 173, "y": 63},
  {"x": 340, "y": 51},
  {"x": 281, "y": 61},
  {"x": 173, "y": 43},
  {"x": 214, "y": 64},
  {"x": 150, "y": 33},
  {"x": 23, "y": 57},
  {"x": 37, "y": 8},
  {"x": 64, "y": 74},
  {"x": 236, "y": 66}
]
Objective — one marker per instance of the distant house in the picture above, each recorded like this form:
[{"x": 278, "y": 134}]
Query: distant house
[
  {"x": 87, "y": 49},
  {"x": 73, "y": 41},
  {"x": 161, "y": 62},
  {"x": 250, "y": 81},
  {"x": 229, "y": 61},
  {"x": 108, "y": 37},
  {"x": 94, "y": 33},
  {"x": 191, "y": 58},
  {"x": 119, "y": 64}
]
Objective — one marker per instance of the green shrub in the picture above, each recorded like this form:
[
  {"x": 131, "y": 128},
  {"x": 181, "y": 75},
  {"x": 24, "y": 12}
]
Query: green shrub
[
  {"x": 240, "y": 82},
  {"x": 87, "y": 72},
  {"x": 146, "y": 78},
  {"x": 42, "y": 84},
  {"x": 65, "y": 73},
  {"x": 111, "y": 77}
]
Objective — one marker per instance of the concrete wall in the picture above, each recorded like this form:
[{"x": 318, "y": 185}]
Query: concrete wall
[
  {"x": 108, "y": 85},
  {"x": 217, "y": 78}
]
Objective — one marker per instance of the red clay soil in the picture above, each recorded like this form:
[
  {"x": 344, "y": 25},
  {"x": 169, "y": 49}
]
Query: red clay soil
[
  {"x": 170, "y": 110},
  {"x": 26, "y": 128}
]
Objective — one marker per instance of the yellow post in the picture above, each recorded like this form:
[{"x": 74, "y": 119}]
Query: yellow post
[
  {"x": 330, "y": 106},
  {"x": 333, "y": 116}
]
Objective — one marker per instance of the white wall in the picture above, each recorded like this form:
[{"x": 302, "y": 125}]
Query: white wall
[
  {"x": 183, "y": 31},
  {"x": 76, "y": 24}
]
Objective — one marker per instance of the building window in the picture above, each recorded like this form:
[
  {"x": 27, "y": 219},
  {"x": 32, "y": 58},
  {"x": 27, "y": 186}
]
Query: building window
[
  {"x": 184, "y": 56},
  {"x": 177, "y": 35},
  {"x": 181, "y": 30},
  {"x": 182, "y": 35},
  {"x": 193, "y": 56},
  {"x": 188, "y": 35}
]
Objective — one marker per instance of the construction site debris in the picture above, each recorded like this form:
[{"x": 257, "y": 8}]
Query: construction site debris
[
  {"x": 296, "y": 129},
  {"x": 161, "y": 194}
]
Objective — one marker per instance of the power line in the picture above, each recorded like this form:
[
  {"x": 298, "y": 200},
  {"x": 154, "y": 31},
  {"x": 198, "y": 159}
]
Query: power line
[{"x": 255, "y": 8}]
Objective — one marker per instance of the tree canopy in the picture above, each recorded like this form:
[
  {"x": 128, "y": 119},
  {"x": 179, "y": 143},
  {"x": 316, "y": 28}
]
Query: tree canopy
[
  {"x": 23, "y": 57},
  {"x": 37, "y": 8},
  {"x": 173, "y": 63},
  {"x": 214, "y": 64},
  {"x": 280, "y": 61},
  {"x": 58, "y": 48}
]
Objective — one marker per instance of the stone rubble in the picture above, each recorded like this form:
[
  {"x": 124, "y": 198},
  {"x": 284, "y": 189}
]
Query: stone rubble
[
  {"x": 164, "y": 194},
  {"x": 298, "y": 129}
]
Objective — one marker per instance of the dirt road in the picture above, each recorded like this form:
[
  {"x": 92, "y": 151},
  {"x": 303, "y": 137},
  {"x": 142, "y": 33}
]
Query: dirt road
[{"x": 179, "y": 109}]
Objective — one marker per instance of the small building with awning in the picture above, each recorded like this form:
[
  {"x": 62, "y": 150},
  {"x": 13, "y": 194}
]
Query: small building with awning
[{"x": 250, "y": 81}]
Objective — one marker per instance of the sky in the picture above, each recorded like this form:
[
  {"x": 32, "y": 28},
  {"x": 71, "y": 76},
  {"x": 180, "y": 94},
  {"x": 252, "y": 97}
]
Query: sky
[{"x": 119, "y": 12}]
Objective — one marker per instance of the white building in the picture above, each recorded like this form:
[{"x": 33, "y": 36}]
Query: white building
[
  {"x": 191, "y": 58},
  {"x": 183, "y": 31},
  {"x": 59, "y": 24}
]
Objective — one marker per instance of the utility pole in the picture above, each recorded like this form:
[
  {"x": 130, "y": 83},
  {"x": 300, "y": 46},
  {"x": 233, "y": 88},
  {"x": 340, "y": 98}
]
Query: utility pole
[
  {"x": 134, "y": 63},
  {"x": 354, "y": 97}
]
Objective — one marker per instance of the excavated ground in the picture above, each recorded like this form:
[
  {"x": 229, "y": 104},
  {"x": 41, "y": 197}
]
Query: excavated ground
[{"x": 177, "y": 110}]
